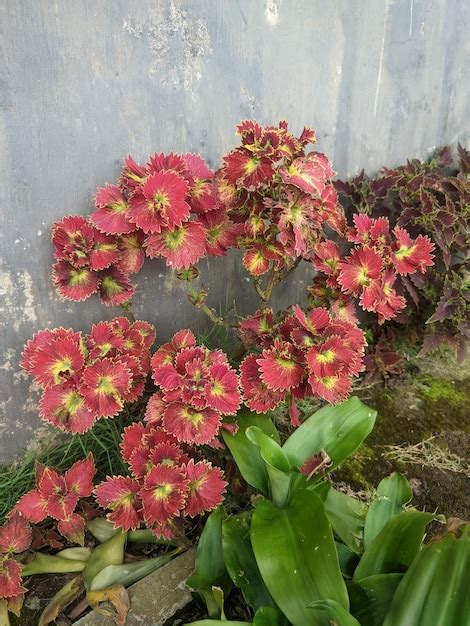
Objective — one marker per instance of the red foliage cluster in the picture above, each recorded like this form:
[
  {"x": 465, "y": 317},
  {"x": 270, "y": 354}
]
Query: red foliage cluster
[
  {"x": 279, "y": 194},
  {"x": 370, "y": 270},
  {"x": 302, "y": 354},
  {"x": 88, "y": 377},
  {"x": 57, "y": 495},
  {"x": 197, "y": 389},
  {"x": 90, "y": 261},
  {"x": 166, "y": 484},
  {"x": 15, "y": 537}
]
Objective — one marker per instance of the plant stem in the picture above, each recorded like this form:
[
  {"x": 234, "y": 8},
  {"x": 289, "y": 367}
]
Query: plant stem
[
  {"x": 194, "y": 297},
  {"x": 127, "y": 308}
]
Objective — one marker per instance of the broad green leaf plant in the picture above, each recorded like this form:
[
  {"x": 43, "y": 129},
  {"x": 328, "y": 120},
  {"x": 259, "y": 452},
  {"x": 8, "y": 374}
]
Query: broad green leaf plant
[{"x": 307, "y": 554}]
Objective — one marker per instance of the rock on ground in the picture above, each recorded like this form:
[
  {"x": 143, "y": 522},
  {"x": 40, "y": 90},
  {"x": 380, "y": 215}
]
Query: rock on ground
[{"x": 156, "y": 598}]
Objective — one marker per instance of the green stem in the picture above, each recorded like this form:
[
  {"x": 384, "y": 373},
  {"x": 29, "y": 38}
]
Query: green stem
[
  {"x": 127, "y": 308},
  {"x": 193, "y": 296}
]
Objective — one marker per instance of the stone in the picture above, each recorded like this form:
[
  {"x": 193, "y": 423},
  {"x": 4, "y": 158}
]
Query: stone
[{"x": 155, "y": 598}]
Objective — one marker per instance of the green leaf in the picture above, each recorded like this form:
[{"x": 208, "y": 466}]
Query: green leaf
[
  {"x": 371, "y": 597},
  {"x": 269, "y": 616},
  {"x": 329, "y": 612},
  {"x": 246, "y": 454},
  {"x": 346, "y": 515},
  {"x": 395, "y": 547},
  {"x": 276, "y": 462},
  {"x": 348, "y": 559},
  {"x": 75, "y": 554},
  {"x": 101, "y": 530},
  {"x": 128, "y": 573},
  {"x": 339, "y": 430},
  {"x": 435, "y": 589},
  {"x": 296, "y": 555},
  {"x": 392, "y": 494},
  {"x": 110, "y": 552},
  {"x": 210, "y": 570},
  {"x": 241, "y": 563},
  {"x": 50, "y": 564},
  {"x": 214, "y": 622}
]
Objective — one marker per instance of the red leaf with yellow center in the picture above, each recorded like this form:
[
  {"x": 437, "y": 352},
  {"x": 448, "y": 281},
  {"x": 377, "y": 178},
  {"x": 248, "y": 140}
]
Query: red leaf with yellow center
[
  {"x": 330, "y": 358},
  {"x": 120, "y": 494},
  {"x": 279, "y": 367},
  {"x": 191, "y": 425},
  {"x": 58, "y": 361},
  {"x": 256, "y": 394},
  {"x": 161, "y": 203},
  {"x": 75, "y": 284},
  {"x": 103, "y": 385},
  {"x": 115, "y": 287},
  {"x": 131, "y": 254},
  {"x": 10, "y": 578},
  {"x": 358, "y": 269},
  {"x": 79, "y": 478},
  {"x": 73, "y": 528},
  {"x": 33, "y": 506},
  {"x": 256, "y": 262},
  {"x": 105, "y": 251},
  {"x": 333, "y": 389},
  {"x": 221, "y": 392},
  {"x": 181, "y": 247},
  {"x": 164, "y": 494},
  {"x": 248, "y": 170},
  {"x": 206, "y": 487},
  {"x": 111, "y": 211},
  {"x": 15, "y": 534},
  {"x": 64, "y": 407}
]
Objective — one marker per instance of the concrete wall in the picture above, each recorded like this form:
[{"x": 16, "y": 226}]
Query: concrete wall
[{"x": 85, "y": 82}]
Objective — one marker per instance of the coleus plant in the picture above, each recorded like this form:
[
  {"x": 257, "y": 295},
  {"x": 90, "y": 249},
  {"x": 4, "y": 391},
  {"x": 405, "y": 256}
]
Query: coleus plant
[
  {"x": 271, "y": 198},
  {"x": 428, "y": 199},
  {"x": 274, "y": 200},
  {"x": 89, "y": 377}
]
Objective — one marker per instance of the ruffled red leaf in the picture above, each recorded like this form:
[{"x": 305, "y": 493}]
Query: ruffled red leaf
[
  {"x": 15, "y": 534},
  {"x": 120, "y": 494},
  {"x": 181, "y": 247},
  {"x": 64, "y": 407},
  {"x": 221, "y": 392},
  {"x": 161, "y": 203},
  {"x": 79, "y": 478},
  {"x": 73, "y": 528},
  {"x": 164, "y": 494},
  {"x": 206, "y": 487},
  {"x": 103, "y": 385},
  {"x": 256, "y": 394},
  {"x": 279, "y": 367},
  {"x": 105, "y": 251},
  {"x": 131, "y": 254},
  {"x": 115, "y": 287},
  {"x": 111, "y": 214},
  {"x": 191, "y": 425},
  {"x": 75, "y": 284}
]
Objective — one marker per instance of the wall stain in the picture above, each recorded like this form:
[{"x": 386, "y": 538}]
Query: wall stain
[{"x": 178, "y": 44}]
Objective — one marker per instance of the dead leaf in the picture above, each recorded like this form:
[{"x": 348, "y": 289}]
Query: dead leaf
[{"x": 112, "y": 602}]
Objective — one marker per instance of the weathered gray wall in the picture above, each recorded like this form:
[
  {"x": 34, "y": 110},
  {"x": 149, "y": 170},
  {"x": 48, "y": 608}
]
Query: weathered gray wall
[{"x": 84, "y": 82}]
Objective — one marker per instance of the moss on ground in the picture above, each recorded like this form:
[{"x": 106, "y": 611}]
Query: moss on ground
[{"x": 416, "y": 408}]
